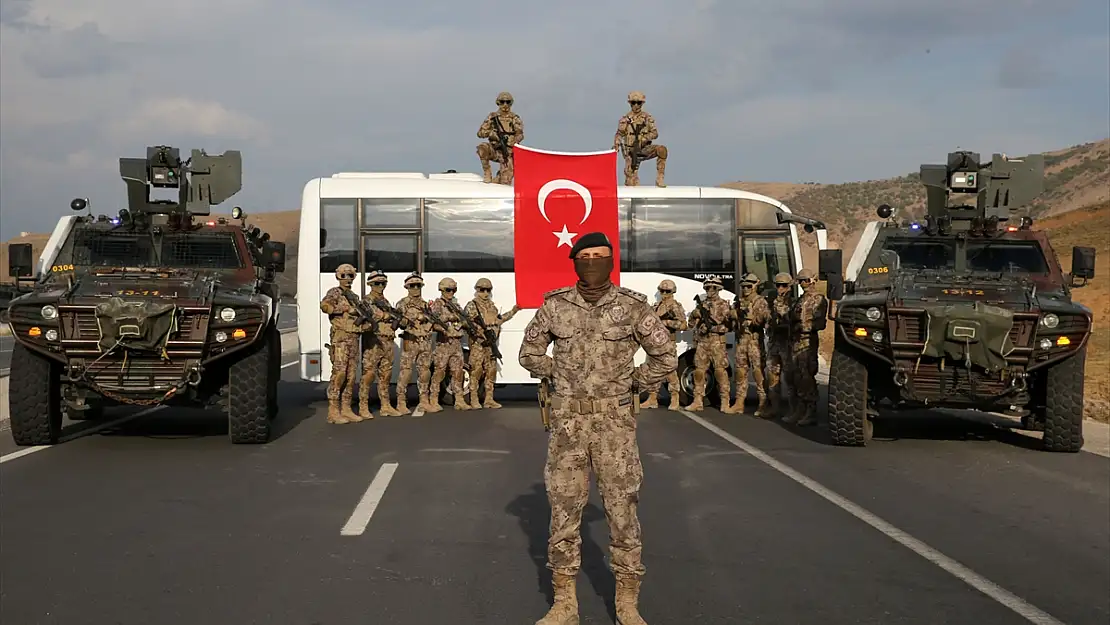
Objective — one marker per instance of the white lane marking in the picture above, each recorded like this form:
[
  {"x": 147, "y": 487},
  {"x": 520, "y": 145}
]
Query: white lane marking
[
  {"x": 360, "y": 518},
  {"x": 1030, "y": 612},
  {"x": 15, "y": 455}
]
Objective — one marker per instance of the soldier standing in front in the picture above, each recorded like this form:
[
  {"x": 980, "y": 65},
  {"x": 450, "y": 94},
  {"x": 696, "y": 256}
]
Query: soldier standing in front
[
  {"x": 750, "y": 315},
  {"x": 416, "y": 345},
  {"x": 639, "y": 125},
  {"x": 502, "y": 129},
  {"x": 378, "y": 350},
  {"x": 673, "y": 316},
  {"x": 597, "y": 328},
  {"x": 712, "y": 320},
  {"x": 448, "y": 355},
  {"x": 779, "y": 355},
  {"x": 343, "y": 351},
  {"x": 808, "y": 316},
  {"x": 482, "y": 311}
]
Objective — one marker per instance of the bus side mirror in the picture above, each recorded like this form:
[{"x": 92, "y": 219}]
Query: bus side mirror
[
  {"x": 1082, "y": 266},
  {"x": 21, "y": 261},
  {"x": 273, "y": 253},
  {"x": 829, "y": 265}
]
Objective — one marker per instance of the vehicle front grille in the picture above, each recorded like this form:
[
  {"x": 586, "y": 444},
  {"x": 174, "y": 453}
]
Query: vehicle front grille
[
  {"x": 908, "y": 329},
  {"x": 929, "y": 380},
  {"x": 81, "y": 331},
  {"x": 130, "y": 374}
]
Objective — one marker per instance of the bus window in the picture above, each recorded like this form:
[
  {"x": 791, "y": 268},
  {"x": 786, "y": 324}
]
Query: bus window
[
  {"x": 338, "y": 218},
  {"x": 624, "y": 215},
  {"x": 684, "y": 236},
  {"x": 757, "y": 214},
  {"x": 390, "y": 252},
  {"x": 468, "y": 235},
  {"x": 765, "y": 256},
  {"x": 390, "y": 213}
]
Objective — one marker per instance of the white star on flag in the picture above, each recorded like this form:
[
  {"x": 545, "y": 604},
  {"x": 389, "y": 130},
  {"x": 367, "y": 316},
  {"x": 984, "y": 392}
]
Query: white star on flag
[{"x": 565, "y": 238}]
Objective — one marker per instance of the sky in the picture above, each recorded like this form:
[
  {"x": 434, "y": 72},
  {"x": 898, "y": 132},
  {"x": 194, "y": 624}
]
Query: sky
[{"x": 789, "y": 90}]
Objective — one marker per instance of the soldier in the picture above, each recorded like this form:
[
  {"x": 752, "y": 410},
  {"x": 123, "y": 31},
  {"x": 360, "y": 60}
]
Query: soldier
[
  {"x": 378, "y": 350},
  {"x": 779, "y": 356},
  {"x": 448, "y": 355},
  {"x": 807, "y": 318},
  {"x": 416, "y": 345},
  {"x": 673, "y": 316},
  {"x": 596, "y": 327},
  {"x": 343, "y": 349},
  {"x": 482, "y": 312},
  {"x": 710, "y": 347},
  {"x": 750, "y": 314},
  {"x": 503, "y": 129},
  {"x": 639, "y": 123}
]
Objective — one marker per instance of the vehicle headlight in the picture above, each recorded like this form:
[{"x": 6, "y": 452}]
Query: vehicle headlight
[
  {"x": 1046, "y": 344},
  {"x": 877, "y": 336},
  {"x": 49, "y": 312},
  {"x": 1050, "y": 321},
  {"x": 227, "y": 314},
  {"x": 52, "y": 334},
  {"x": 874, "y": 314}
]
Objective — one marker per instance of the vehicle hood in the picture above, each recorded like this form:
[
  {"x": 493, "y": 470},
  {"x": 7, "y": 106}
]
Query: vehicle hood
[
  {"x": 188, "y": 288},
  {"x": 925, "y": 289}
]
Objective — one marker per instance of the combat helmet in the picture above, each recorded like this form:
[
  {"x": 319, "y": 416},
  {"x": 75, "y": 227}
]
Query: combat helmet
[
  {"x": 750, "y": 278},
  {"x": 414, "y": 279},
  {"x": 377, "y": 276},
  {"x": 346, "y": 271},
  {"x": 483, "y": 283},
  {"x": 448, "y": 283},
  {"x": 783, "y": 279},
  {"x": 805, "y": 274},
  {"x": 713, "y": 281},
  {"x": 504, "y": 95},
  {"x": 636, "y": 96},
  {"x": 668, "y": 286}
]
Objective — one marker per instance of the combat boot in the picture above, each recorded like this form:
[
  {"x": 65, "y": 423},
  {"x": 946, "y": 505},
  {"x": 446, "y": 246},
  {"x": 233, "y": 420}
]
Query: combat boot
[
  {"x": 487, "y": 173},
  {"x": 335, "y": 413},
  {"x": 564, "y": 611},
  {"x": 345, "y": 407},
  {"x": 674, "y": 402},
  {"x": 627, "y": 601},
  {"x": 761, "y": 409},
  {"x": 460, "y": 403},
  {"x": 474, "y": 398},
  {"x": 736, "y": 408},
  {"x": 490, "y": 401},
  {"x": 364, "y": 411},
  {"x": 386, "y": 409},
  {"x": 652, "y": 400},
  {"x": 660, "y": 168},
  {"x": 431, "y": 403},
  {"x": 806, "y": 418},
  {"x": 402, "y": 404},
  {"x": 695, "y": 405}
]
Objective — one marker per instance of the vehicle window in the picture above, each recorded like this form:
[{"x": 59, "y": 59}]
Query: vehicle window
[
  {"x": 683, "y": 236},
  {"x": 766, "y": 256},
  {"x": 201, "y": 251},
  {"x": 99, "y": 248},
  {"x": 624, "y": 215},
  {"x": 468, "y": 235},
  {"x": 390, "y": 252},
  {"x": 390, "y": 213},
  {"x": 1006, "y": 257},
  {"x": 338, "y": 219},
  {"x": 918, "y": 254}
]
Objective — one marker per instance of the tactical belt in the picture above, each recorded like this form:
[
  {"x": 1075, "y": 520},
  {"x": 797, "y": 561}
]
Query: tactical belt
[
  {"x": 590, "y": 406},
  {"x": 450, "y": 339}
]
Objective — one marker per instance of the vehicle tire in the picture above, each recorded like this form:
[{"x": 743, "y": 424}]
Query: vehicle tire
[
  {"x": 34, "y": 398},
  {"x": 849, "y": 423},
  {"x": 251, "y": 393},
  {"x": 1063, "y": 409},
  {"x": 686, "y": 382}
]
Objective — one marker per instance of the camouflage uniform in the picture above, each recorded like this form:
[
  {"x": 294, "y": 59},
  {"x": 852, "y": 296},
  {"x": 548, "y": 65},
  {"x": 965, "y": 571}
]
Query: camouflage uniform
[
  {"x": 448, "y": 354},
  {"x": 416, "y": 345},
  {"x": 673, "y": 316},
  {"x": 624, "y": 139},
  {"x": 710, "y": 345},
  {"x": 343, "y": 349},
  {"x": 807, "y": 318},
  {"x": 377, "y": 350},
  {"x": 779, "y": 356},
  {"x": 750, "y": 316},
  {"x": 491, "y": 149},
  {"x": 483, "y": 366},
  {"x": 593, "y": 424}
]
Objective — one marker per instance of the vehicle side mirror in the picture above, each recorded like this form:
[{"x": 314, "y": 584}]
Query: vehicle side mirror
[
  {"x": 21, "y": 261},
  {"x": 273, "y": 255},
  {"x": 1082, "y": 265},
  {"x": 830, "y": 264},
  {"x": 834, "y": 287}
]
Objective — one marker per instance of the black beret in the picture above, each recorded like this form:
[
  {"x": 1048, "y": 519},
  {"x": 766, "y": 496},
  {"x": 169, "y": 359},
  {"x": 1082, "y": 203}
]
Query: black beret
[{"x": 592, "y": 239}]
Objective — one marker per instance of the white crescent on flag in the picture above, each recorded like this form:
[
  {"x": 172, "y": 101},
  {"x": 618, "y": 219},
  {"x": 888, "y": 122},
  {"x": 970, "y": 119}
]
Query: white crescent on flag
[{"x": 569, "y": 185}]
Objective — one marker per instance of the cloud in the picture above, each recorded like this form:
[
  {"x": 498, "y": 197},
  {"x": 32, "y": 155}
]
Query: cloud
[{"x": 787, "y": 90}]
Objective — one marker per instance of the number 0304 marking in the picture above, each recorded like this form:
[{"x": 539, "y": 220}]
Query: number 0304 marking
[
  {"x": 874, "y": 270},
  {"x": 57, "y": 268}
]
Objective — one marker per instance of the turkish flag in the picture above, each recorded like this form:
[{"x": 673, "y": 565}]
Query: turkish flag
[{"x": 560, "y": 196}]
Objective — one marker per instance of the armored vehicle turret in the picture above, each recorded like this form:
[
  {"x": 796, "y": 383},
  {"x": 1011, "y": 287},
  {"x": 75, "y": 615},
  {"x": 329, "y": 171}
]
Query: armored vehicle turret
[
  {"x": 150, "y": 306},
  {"x": 965, "y": 308}
]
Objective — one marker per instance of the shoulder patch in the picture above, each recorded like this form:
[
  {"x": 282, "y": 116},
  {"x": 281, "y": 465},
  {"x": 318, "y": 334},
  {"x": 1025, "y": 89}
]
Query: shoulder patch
[
  {"x": 636, "y": 295},
  {"x": 559, "y": 291}
]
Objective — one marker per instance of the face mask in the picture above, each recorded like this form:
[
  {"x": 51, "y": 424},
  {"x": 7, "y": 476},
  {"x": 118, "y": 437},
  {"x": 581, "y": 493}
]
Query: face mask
[{"x": 593, "y": 272}]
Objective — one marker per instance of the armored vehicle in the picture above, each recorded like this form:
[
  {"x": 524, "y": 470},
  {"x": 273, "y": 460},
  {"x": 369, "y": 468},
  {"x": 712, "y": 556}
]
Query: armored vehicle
[
  {"x": 149, "y": 307},
  {"x": 966, "y": 308}
]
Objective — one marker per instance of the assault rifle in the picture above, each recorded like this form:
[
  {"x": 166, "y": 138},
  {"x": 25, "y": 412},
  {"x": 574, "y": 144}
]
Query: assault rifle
[
  {"x": 488, "y": 334},
  {"x": 503, "y": 146},
  {"x": 396, "y": 318},
  {"x": 545, "y": 403},
  {"x": 637, "y": 145},
  {"x": 704, "y": 317},
  {"x": 365, "y": 313},
  {"x": 470, "y": 329}
]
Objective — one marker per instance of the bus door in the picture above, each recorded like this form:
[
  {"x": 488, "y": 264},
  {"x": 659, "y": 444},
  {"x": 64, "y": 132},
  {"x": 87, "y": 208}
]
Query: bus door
[
  {"x": 764, "y": 253},
  {"x": 397, "y": 254}
]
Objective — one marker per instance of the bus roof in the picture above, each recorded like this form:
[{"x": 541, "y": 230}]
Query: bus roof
[{"x": 470, "y": 185}]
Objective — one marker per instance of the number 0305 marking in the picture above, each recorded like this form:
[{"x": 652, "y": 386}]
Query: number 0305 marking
[{"x": 874, "y": 270}]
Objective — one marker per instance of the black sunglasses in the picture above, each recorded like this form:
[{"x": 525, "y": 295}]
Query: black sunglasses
[
  {"x": 483, "y": 289},
  {"x": 346, "y": 276},
  {"x": 635, "y": 101},
  {"x": 504, "y": 101},
  {"x": 666, "y": 290},
  {"x": 449, "y": 290},
  {"x": 378, "y": 283}
]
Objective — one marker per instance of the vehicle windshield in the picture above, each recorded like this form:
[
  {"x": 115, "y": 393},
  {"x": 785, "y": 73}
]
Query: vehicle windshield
[
  {"x": 1006, "y": 257},
  {"x": 100, "y": 248},
  {"x": 906, "y": 253}
]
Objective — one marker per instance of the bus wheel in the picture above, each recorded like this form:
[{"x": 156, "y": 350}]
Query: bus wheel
[
  {"x": 686, "y": 382},
  {"x": 446, "y": 397}
]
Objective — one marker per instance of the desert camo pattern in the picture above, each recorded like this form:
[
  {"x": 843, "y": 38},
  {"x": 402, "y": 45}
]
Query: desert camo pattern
[
  {"x": 483, "y": 366},
  {"x": 416, "y": 350},
  {"x": 593, "y": 421},
  {"x": 624, "y": 139},
  {"x": 711, "y": 349},
  {"x": 377, "y": 361},
  {"x": 344, "y": 351},
  {"x": 807, "y": 318},
  {"x": 750, "y": 317},
  {"x": 447, "y": 356},
  {"x": 780, "y": 357},
  {"x": 489, "y": 150},
  {"x": 673, "y": 316}
]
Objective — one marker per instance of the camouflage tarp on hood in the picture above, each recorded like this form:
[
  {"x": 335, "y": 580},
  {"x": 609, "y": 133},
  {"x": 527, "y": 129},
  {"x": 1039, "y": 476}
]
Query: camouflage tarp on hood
[
  {"x": 975, "y": 334},
  {"x": 143, "y": 326}
]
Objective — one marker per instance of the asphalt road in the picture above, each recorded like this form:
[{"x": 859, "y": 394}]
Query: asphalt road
[
  {"x": 161, "y": 520},
  {"x": 288, "y": 320}
]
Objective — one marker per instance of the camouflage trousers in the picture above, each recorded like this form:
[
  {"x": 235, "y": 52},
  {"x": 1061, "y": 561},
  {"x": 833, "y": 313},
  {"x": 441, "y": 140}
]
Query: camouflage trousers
[
  {"x": 414, "y": 353},
  {"x": 606, "y": 443},
  {"x": 448, "y": 358},
  {"x": 803, "y": 378},
  {"x": 377, "y": 361},
  {"x": 344, "y": 368},
  {"x": 648, "y": 152},
  {"x": 749, "y": 357},
  {"x": 483, "y": 373},
  {"x": 711, "y": 350},
  {"x": 488, "y": 152},
  {"x": 780, "y": 359}
]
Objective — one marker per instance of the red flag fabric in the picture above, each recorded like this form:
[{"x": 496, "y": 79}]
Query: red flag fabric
[{"x": 559, "y": 196}]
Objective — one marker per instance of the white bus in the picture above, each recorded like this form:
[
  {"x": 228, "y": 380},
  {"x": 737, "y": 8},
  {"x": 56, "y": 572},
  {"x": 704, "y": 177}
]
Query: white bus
[{"x": 454, "y": 225}]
